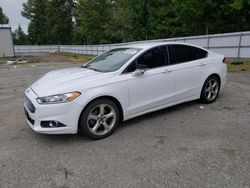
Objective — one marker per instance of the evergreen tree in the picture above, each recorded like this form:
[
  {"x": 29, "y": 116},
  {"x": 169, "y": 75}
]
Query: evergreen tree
[
  {"x": 60, "y": 23},
  {"x": 50, "y": 21},
  {"x": 36, "y": 12},
  {"x": 3, "y": 18},
  {"x": 20, "y": 37},
  {"x": 91, "y": 17},
  {"x": 112, "y": 21},
  {"x": 119, "y": 27},
  {"x": 208, "y": 17}
]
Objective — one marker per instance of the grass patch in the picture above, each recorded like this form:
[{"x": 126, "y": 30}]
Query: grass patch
[
  {"x": 239, "y": 65},
  {"x": 76, "y": 57},
  {"x": 3, "y": 60}
]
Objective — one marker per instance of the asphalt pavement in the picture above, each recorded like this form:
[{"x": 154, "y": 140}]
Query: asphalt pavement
[{"x": 189, "y": 145}]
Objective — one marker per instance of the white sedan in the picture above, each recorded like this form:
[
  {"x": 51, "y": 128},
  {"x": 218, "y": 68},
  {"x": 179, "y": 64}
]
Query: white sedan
[{"x": 121, "y": 84}]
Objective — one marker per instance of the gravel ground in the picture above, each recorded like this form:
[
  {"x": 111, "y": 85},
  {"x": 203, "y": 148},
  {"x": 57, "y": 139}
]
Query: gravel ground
[{"x": 189, "y": 145}]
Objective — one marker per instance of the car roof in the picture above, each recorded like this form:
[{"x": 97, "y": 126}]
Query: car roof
[{"x": 147, "y": 45}]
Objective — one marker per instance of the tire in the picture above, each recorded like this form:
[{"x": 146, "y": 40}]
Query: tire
[
  {"x": 99, "y": 119},
  {"x": 210, "y": 90}
]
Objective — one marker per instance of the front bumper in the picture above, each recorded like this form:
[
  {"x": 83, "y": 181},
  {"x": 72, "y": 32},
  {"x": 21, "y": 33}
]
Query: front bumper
[{"x": 65, "y": 113}]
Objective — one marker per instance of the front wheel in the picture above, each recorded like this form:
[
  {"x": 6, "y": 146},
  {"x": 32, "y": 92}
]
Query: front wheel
[
  {"x": 210, "y": 90},
  {"x": 99, "y": 119}
]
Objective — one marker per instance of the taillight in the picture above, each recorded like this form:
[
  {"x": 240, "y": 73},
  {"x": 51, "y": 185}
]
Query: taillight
[{"x": 225, "y": 61}]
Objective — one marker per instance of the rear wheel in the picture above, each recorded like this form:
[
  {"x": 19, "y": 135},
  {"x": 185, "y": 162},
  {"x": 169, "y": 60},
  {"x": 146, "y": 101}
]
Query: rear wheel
[
  {"x": 210, "y": 90},
  {"x": 99, "y": 119}
]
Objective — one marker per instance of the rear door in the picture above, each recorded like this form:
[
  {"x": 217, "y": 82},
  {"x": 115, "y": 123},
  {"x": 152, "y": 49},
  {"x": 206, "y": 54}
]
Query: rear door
[{"x": 188, "y": 65}]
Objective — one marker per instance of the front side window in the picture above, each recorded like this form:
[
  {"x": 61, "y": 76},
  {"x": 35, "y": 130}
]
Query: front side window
[
  {"x": 112, "y": 60},
  {"x": 153, "y": 58},
  {"x": 185, "y": 53}
]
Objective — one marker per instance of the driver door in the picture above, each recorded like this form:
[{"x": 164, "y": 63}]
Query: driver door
[{"x": 155, "y": 87}]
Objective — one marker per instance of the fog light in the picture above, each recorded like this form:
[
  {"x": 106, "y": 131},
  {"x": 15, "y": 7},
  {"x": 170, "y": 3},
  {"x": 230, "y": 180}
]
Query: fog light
[{"x": 51, "y": 124}]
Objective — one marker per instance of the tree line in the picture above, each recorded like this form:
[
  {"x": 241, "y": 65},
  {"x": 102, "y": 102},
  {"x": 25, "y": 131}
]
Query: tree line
[{"x": 113, "y": 21}]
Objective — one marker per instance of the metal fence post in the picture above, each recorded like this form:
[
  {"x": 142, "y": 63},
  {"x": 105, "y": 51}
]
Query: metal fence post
[
  {"x": 208, "y": 41},
  {"x": 239, "y": 47}
]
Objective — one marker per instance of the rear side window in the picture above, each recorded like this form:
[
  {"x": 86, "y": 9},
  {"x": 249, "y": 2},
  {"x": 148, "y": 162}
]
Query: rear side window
[{"x": 184, "y": 53}]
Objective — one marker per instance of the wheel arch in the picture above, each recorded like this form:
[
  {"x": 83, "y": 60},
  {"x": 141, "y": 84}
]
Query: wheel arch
[
  {"x": 216, "y": 75},
  {"x": 115, "y": 100},
  {"x": 213, "y": 74}
]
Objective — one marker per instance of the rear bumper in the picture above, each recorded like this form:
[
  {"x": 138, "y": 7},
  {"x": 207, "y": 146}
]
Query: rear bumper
[
  {"x": 223, "y": 82},
  {"x": 65, "y": 113},
  {"x": 223, "y": 77}
]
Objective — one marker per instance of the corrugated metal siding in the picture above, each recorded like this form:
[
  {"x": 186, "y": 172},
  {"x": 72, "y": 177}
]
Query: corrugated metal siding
[
  {"x": 6, "y": 43},
  {"x": 235, "y": 45}
]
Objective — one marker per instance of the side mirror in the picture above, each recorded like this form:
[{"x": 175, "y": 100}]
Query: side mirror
[
  {"x": 140, "y": 69},
  {"x": 138, "y": 72}
]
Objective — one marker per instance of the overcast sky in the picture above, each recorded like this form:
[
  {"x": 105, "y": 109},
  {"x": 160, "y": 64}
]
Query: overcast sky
[{"x": 12, "y": 9}]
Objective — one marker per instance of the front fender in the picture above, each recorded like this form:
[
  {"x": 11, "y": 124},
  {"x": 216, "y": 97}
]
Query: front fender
[{"x": 119, "y": 91}]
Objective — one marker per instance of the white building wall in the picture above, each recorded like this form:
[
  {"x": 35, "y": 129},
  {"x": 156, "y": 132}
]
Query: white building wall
[{"x": 6, "y": 42}]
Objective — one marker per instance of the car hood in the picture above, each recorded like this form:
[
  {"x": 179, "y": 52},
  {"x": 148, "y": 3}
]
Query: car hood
[{"x": 66, "y": 80}]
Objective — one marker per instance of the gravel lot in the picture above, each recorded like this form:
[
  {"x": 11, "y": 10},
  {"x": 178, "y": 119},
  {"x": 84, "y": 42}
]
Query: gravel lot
[{"x": 190, "y": 145}]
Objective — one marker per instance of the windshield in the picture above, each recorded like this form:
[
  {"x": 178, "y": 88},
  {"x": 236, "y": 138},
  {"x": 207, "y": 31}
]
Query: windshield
[{"x": 112, "y": 60}]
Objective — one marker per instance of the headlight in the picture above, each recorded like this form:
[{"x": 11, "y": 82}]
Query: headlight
[{"x": 60, "y": 98}]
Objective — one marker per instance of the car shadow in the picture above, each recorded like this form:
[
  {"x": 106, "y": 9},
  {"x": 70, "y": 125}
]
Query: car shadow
[
  {"x": 156, "y": 114},
  {"x": 62, "y": 138}
]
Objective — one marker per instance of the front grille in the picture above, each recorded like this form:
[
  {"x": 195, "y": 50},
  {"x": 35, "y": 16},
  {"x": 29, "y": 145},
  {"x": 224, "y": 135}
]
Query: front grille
[
  {"x": 30, "y": 106},
  {"x": 28, "y": 117}
]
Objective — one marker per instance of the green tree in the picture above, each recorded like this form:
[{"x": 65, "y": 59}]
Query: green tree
[
  {"x": 161, "y": 21},
  {"x": 196, "y": 17},
  {"x": 20, "y": 37},
  {"x": 118, "y": 27},
  {"x": 59, "y": 20},
  {"x": 36, "y": 12},
  {"x": 239, "y": 11},
  {"x": 50, "y": 21},
  {"x": 3, "y": 18},
  {"x": 138, "y": 14},
  {"x": 91, "y": 17},
  {"x": 112, "y": 21}
]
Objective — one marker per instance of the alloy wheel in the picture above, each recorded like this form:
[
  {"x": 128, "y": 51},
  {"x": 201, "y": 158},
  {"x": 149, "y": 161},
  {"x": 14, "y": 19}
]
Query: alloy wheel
[
  {"x": 101, "y": 119},
  {"x": 211, "y": 89}
]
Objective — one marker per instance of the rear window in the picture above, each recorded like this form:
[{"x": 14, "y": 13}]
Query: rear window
[{"x": 184, "y": 53}]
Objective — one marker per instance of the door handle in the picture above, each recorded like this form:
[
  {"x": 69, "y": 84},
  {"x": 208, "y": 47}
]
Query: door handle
[
  {"x": 202, "y": 64},
  {"x": 167, "y": 71}
]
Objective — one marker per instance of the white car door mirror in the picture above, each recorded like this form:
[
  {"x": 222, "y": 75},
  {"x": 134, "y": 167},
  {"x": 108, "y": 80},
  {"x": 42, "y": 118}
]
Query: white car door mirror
[
  {"x": 138, "y": 72},
  {"x": 140, "y": 69}
]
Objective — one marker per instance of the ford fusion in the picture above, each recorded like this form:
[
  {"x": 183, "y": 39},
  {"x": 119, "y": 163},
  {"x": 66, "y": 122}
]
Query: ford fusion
[{"x": 121, "y": 84}]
